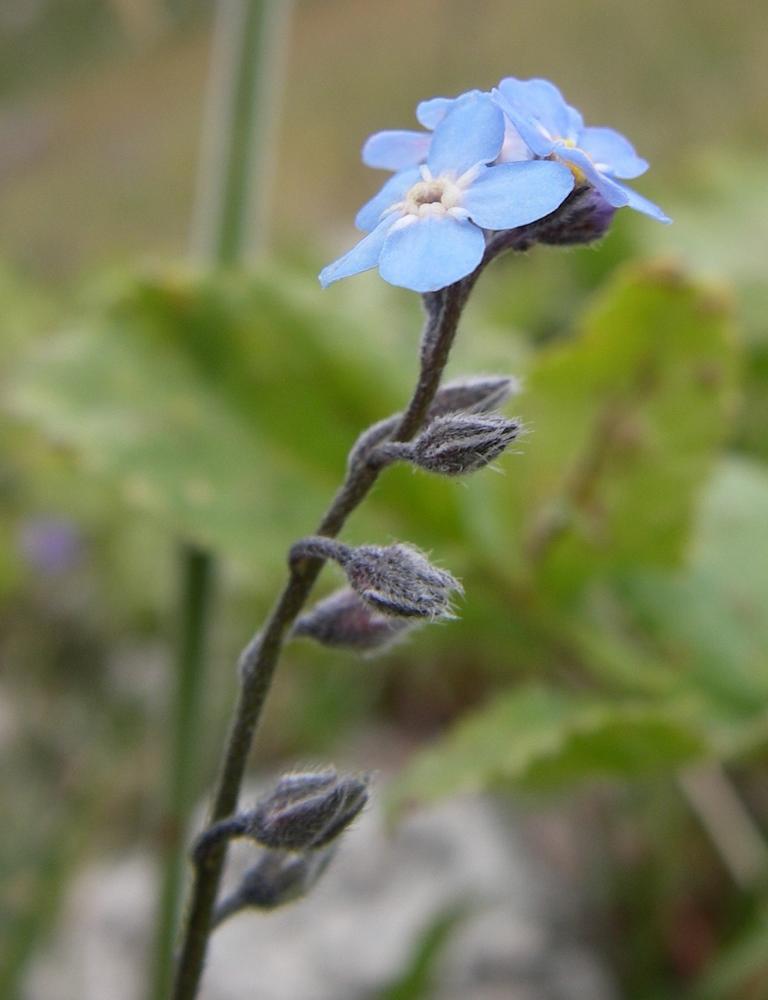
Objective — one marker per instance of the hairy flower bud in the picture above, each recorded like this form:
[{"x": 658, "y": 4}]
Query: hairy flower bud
[
  {"x": 343, "y": 621},
  {"x": 277, "y": 878},
  {"x": 459, "y": 443},
  {"x": 398, "y": 580},
  {"x": 307, "y": 811},
  {"x": 584, "y": 217},
  {"x": 473, "y": 394}
]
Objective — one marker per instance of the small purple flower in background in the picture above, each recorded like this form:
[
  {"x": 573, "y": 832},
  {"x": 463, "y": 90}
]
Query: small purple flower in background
[
  {"x": 553, "y": 129},
  {"x": 50, "y": 545},
  {"x": 426, "y": 225}
]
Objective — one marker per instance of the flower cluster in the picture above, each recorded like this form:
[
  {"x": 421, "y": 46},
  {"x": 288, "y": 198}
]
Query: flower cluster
[{"x": 486, "y": 162}]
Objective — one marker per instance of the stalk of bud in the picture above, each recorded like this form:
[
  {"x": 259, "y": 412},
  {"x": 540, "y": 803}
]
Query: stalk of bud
[
  {"x": 307, "y": 811},
  {"x": 371, "y": 437},
  {"x": 343, "y": 621}
]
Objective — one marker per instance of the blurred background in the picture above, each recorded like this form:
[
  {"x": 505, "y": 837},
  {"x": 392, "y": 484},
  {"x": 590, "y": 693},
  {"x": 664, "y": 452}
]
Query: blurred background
[{"x": 601, "y": 707}]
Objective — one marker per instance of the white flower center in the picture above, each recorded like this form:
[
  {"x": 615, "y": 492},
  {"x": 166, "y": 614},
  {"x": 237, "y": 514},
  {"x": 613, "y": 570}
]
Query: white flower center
[{"x": 434, "y": 196}]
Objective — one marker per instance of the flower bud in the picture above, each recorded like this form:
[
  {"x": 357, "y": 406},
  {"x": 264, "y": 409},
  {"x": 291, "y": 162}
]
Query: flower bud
[
  {"x": 343, "y": 621},
  {"x": 398, "y": 580},
  {"x": 584, "y": 217},
  {"x": 459, "y": 443},
  {"x": 473, "y": 394},
  {"x": 277, "y": 878},
  {"x": 307, "y": 811}
]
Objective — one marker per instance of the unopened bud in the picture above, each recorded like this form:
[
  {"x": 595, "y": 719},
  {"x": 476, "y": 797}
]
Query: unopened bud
[
  {"x": 276, "y": 879},
  {"x": 584, "y": 217},
  {"x": 473, "y": 394},
  {"x": 398, "y": 580},
  {"x": 343, "y": 621},
  {"x": 307, "y": 811},
  {"x": 459, "y": 443}
]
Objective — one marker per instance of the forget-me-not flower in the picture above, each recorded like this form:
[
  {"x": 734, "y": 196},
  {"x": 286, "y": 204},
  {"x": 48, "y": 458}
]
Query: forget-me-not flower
[
  {"x": 398, "y": 149},
  {"x": 553, "y": 129},
  {"x": 426, "y": 225}
]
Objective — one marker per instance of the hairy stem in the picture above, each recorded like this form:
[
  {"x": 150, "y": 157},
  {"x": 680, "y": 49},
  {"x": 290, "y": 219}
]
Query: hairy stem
[{"x": 259, "y": 659}]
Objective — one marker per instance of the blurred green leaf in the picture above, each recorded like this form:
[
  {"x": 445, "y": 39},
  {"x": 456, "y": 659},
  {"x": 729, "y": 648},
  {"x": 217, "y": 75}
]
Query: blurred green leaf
[
  {"x": 416, "y": 981},
  {"x": 535, "y": 737},
  {"x": 225, "y": 406},
  {"x": 625, "y": 421},
  {"x": 710, "y": 619}
]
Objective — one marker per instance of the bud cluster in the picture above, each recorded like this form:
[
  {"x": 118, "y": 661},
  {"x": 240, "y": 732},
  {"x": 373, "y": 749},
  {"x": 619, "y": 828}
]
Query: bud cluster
[{"x": 298, "y": 823}]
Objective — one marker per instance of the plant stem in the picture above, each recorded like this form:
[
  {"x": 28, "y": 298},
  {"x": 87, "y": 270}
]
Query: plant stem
[
  {"x": 259, "y": 659},
  {"x": 238, "y": 132},
  {"x": 230, "y": 214},
  {"x": 196, "y": 570}
]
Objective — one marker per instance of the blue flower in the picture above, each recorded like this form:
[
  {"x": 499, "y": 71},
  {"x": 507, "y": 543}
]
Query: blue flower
[
  {"x": 398, "y": 149},
  {"x": 425, "y": 226},
  {"x": 553, "y": 129}
]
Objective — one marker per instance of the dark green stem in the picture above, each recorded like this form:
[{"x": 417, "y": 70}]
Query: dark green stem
[{"x": 196, "y": 570}]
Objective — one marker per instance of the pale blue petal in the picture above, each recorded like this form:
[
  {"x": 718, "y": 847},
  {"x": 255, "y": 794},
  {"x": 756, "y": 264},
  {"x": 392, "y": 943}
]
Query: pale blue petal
[
  {"x": 575, "y": 125},
  {"x": 542, "y": 100},
  {"x": 614, "y": 193},
  {"x": 396, "y": 149},
  {"x": 361, "y": 257},
  {"x": 527, "y": 127},
  {"x": 472, "y": 132},
  {"x": 514, "y": 149},
  {"x": 430, "y": 253},
  {"x": 641, "y": 204},
  {"x": 393, "y": 191},
  {"x": 612, "y": 153},
  {"x": 514, "y": 194},
  {"x": 430, "y": 113}
]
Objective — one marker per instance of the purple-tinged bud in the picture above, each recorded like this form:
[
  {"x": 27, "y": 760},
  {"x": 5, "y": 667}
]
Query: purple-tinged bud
[
  {"x": 584, "y": 217},
  {"x": 277, "y": 878},
  {"x": 473, "y": 394},
  {"x": 459, "y": 443},
  {"x": 398, "y": 580},
  {"x": 343, "y": 621},
  {"x": 307, "y": 811}
]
